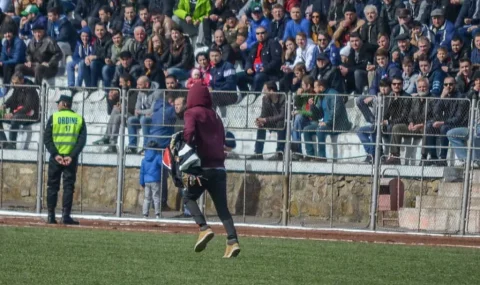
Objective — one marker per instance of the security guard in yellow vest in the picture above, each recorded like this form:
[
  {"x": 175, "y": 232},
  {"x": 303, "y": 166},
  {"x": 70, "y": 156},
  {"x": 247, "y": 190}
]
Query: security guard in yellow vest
[{"x": 65, "y": 137}]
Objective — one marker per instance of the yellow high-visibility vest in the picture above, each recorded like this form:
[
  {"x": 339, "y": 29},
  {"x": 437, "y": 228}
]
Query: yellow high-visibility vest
[{"x": 65, "y": 130}]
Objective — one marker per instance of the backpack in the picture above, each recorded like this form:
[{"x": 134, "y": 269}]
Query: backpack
[{"x": 183, "y": 162}]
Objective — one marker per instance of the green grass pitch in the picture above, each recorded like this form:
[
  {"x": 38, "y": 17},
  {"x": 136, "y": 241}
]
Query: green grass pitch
[{"x": 78, "y": 256}]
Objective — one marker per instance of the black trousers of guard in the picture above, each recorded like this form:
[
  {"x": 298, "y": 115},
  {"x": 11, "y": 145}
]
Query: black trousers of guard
[
  {"x": 55, "y": 171},
  {"x": 215, "y": 182}
]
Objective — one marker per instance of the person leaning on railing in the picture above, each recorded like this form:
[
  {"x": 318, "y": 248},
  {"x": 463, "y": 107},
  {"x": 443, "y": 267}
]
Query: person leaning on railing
[{"x": 272, "y": 117}]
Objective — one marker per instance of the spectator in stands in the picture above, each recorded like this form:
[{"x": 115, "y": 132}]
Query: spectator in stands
[
  {"x": 83, "y": 49},
  {"x": 62, "y": 31},
  {"x": 204, "y": 66},
  {"x": 276, "y": 29},
  {"x": 468, "y": 19},
  {"x": 144, "y": 20},
  {"x": 384, "y": 41},
  {"x": 464, "y": 77},
  {"x": 367, "y": 133},
  {"x": 288, "y": 64},
  {"x": 419, "y": 10},
  {"x": 420, "y": 111},
  {"x": 306, "y": 52},
  {"x": 113, "y": 127},
  {"x": 335, "y": 13},
  {"x": 419, "y": 30},
  {"x": 158, "y": 46},
  {"x": 127, "y": 65},
  {"x": 435, "y": 77},
  {"x": 13, "y": 53},
  {"x": 296, "y": 24},
  {"x": 404, "y": 49},
  {"x": 43, "y": 56},
  {"x": 388, "y": 13},
  {"x": 351, "y": 24},
  {"x": 441, "y": 60},
  {"x": 143, "y": 113},
  {"x": 334, "y": 119},
  {"x": 404, "y": 24},
  {"x": 91, "y": 67},
  {"x": 179, "y": 59},
  {"x": 7, "y": 23},
  {"x": 31, "y": 17},
  {"x": 424, "y": 48},
  {"x": 317, "y": 26},
  {"x": 214, "y": 20},
  {"x": 442, "y": 28},
  {"x": 231, "y": 28},
  {"x": 326, "y": 45},
  {"x": 86, "y": 13},
  {"x": 221, "y": 44},
  {"x": 163, "y": 11},
  {"x": 129, "y": 20},
  {"x": 355, "y": 70},
  {"x": 272, "y": 117},
  {"x": 24, "y": 107},
  {"x": 190, "y": 17},
  {"x": 410, "y": 77},
  {"x": 119, "y": 44},
  {"x": 384, "y": 69},
  {"x": 195, "y": 78},
  {"x": 223, "y": 78},
  {"x": 370, "y": 31},
  {"x": 258, "y": 21},
  {"x": 447, "y": 114},
  {"x": 302, "y": 115},
  {"x": 140, "y": 44},
  {"x": 458, "y": 137},
  {"x": 105, "y": 16},
  {"x": 152, "y": 71},
  {"x": 459, "y": 51},
  {"x": 475, "y": 57},
  {"x": 264, "y": 61},
  {"x": 325, "y": 70}
]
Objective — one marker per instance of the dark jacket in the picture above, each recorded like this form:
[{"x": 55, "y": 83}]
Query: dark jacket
[
  {"x": 102, "y": 48},
  {"x": 151, "y": 168},
  {"x": 165, "y": 7},
  {"x": 46, "y": 50},
  {"x": 50, "y": 145},
  {"x": 410, "y": 52},
  {"x": 332, "y": 75},
  {"x": 397, "y": 109},
  {"x": 203, "y": 128},
  {"x": 227, "y": 51},
  {"x": 134, "y": 70},
  {"x": 462, "y": 85},
  {"x": 388, "y": 72},
  {"x": 140, "y": 50},
  {"x": 163, "y": 122},
  {"x": 435, "y": 78},
  {"x": 26, "y": 31},
  {"x": 274, "y": 113},
  {"x": 467, "y": 11},
  {"x": 88, "y": 8},
  {"x": 420, "y": 11},
  {"x": 334, "y": 111},
  {"x": 185, "y": 59},
  {"x": 388, "y": 14},
  {"x": 365, "y": 56},
  {"x": 454, "y": 113},
  {"x": 25, "y": 100},
  {"x": 454, "y": 64},
  {"x": 13, "y": 52},
  {"x": 7, "y": 24},
  {"x": 369, "y": 31},
  {"x": 223, "y": 77},
  {"x": 156, "y": 75},
  {"x": 271, "y": 56},
  {"x": 419, "y": 108},
  {"x": 63, "y": 31},
  {"x": 276, "y": 29}
]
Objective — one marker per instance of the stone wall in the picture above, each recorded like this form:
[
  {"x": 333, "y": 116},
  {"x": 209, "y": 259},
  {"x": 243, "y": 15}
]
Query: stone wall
[{"x": 311, "y": 195}]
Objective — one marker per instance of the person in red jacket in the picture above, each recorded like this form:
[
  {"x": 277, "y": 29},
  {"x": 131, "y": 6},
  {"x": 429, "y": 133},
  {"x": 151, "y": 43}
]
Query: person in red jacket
[{"x": 204, "y": 132}]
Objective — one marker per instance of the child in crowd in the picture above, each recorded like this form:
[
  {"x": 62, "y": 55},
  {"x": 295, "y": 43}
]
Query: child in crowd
[
  {"x": 83, "y": 49},
  {"x": 196, "y": 77},
  {"x": 150, "y": 178},
  {"x": 442, "y": 60}
]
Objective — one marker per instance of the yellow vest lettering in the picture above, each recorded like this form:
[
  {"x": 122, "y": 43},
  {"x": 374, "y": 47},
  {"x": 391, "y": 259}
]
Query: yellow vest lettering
[{"x": 65, "y": 130}]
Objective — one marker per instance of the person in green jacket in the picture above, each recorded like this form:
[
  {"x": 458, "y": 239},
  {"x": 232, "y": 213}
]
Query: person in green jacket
[{"x": 190, "y": 14}]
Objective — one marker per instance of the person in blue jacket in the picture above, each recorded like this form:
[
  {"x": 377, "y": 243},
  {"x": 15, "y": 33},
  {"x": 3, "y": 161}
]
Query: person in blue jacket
[
  {"x": 258, "y": 20},
  {"x": 435, "y": 77},
  {"x": 83, "y": 49},
  {"x": 385, "y": 70},
  {"x": 327, "y": 46},
  {"x": 31, "y": 17},
  {"x": 62, "y": 31},
  {"x": 151, "y": 179},
  {"x": 13, "y": 53},
  {"x": 442, "y": 29},
  {"x": 223, "y": 78},
  {"x": 296, "y": 24}
]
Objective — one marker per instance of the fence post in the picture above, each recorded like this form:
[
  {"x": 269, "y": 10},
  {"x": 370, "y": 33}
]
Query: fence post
[
  {"x": 120, "y": 154},
  {"x": 376, "y": 170},
  {"x": 41, "y": 152},
  {"x": 466, "y": 184},
  {"x": 286, "y": 162}
]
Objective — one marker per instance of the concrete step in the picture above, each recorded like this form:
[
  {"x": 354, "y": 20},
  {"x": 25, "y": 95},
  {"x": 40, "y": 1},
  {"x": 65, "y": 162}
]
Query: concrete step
[
  {"x": 441, "y": 220},
  {"x": 450, "y": 203},
  {"x": 448, "y": 189}
]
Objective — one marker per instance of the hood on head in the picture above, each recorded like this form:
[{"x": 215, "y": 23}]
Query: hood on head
[
  {"x": 199, "y": 95},
  {"x": 86, "y": 30}
]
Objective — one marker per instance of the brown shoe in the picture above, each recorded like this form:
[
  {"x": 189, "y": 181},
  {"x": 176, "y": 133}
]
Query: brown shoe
[
  {"x": 232, "y": 250},
  {"x": 203, "y": 238}
]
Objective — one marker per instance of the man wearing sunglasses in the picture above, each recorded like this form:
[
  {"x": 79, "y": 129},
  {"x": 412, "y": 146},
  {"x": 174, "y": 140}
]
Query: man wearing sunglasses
[{"x": 449, "y": 112}]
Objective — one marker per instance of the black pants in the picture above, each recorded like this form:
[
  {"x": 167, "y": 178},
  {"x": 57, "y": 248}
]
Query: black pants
[
  {"x": 7, "y": 71},
  {"x": 55, "y": 171},
  {"x": 215, "y": 182},
  {"x": 37, "y": 70}
]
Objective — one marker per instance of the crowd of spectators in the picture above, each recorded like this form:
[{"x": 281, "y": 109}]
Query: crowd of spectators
[{"x": 404, "y": 50}]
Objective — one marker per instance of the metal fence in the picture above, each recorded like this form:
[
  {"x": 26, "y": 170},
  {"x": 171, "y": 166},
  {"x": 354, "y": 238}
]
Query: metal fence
[{"x": 321, "y": 163}]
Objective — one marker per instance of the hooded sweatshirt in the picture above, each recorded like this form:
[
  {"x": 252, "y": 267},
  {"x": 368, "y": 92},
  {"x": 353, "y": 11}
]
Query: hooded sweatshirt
[
  {"x": 150, "y": 170},
  {"x": 81, "y": 52},
  {"x": 203, "y": 128}
]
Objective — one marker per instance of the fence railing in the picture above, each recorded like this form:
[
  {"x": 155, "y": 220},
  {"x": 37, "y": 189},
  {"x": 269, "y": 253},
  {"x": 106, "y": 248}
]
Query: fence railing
[{"x": 293, "y": 159}]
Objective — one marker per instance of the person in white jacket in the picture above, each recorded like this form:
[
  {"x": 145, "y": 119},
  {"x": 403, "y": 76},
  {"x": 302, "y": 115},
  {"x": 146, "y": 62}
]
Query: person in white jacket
[{"x": 306, "y": 51}]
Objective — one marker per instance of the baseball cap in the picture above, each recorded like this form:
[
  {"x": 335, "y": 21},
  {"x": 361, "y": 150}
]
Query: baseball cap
[
  {"x": 38, "y": 26},
  {"x": 437, "y": 12},
  {"x": 64, "y": 98},
  {"x": 257, "y": 9},
  {"x": 322, "y": 56},
  {"x": 31, "y": 9},
  {"x": 402, "y": 37}
]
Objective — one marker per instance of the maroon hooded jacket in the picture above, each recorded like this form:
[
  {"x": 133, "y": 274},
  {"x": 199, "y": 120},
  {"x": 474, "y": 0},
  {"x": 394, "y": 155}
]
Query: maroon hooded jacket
[{"x": 203, "y": 128}]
